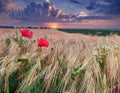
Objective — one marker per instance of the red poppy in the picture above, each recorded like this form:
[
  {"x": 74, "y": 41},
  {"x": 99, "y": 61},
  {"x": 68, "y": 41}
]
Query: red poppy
[
  {"x": 26, "y": 33},
  {"x": 30, "y": 34},
  {"x": 43, "y": 42}
]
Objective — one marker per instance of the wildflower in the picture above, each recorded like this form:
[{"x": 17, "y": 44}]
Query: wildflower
[
  {"x": 30, "y": 34},
  {"x": 26, "y": 33},
  {"x": 43, "y": 42}
]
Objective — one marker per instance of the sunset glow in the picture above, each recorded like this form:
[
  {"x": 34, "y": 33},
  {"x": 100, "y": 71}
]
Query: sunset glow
[
  {"x": 53, "y": 25},
  {"x": 61, "y": 13}
]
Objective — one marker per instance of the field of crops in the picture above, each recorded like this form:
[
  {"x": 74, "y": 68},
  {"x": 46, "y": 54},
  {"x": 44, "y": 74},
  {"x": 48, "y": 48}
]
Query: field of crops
[
  {"x": 92, "y": 31},
  {"x": 45, "y": 65}
]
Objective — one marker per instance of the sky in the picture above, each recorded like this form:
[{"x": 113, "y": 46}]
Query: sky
[{"x": 103, "y": 14}]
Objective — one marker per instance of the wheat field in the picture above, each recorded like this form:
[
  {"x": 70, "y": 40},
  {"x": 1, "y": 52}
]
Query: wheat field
[{"x": 73, "y": 63}]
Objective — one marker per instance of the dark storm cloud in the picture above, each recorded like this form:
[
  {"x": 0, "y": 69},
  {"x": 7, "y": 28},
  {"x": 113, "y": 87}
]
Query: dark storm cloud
[
  {"x": 107, "y": 7},
  {"x": 6, "y": 5},
  {"x": 3, "y": 5},
  {"x": 93, "y": 18},
  {"x": 93, "y": 5},
  {"x": 37, "y": 12},
  {"x": 75, "y": 1},
  {"x": 47, "y": 12},
  {"x": 113, "y": 7}
]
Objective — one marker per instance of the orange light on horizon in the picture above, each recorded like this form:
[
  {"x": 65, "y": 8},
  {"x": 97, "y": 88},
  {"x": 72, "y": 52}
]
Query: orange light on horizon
[{"x": 53, "y": 25}]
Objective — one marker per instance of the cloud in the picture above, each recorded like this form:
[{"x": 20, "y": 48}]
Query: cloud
[
  {"x": 38, "y": 13},
  {"x": 107, "y": 7},
  {"x": 6, "y": 5},
  {"x": 3, "y": 5},
  {"x": 75, "y": 1},
  {"x": 112, "y": 8},
  {"x": 35, "y": 12},
  {"x": 7, "y": 20},
  {"x": 93, "y": 5},
  {"x": 93, "y": 18}
]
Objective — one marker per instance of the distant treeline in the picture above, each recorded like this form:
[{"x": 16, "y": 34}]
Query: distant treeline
[
  {"x": 98, "y": 32},
  {"x": 42, "y": 27},
  {"x": 6, "y": 26}
]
